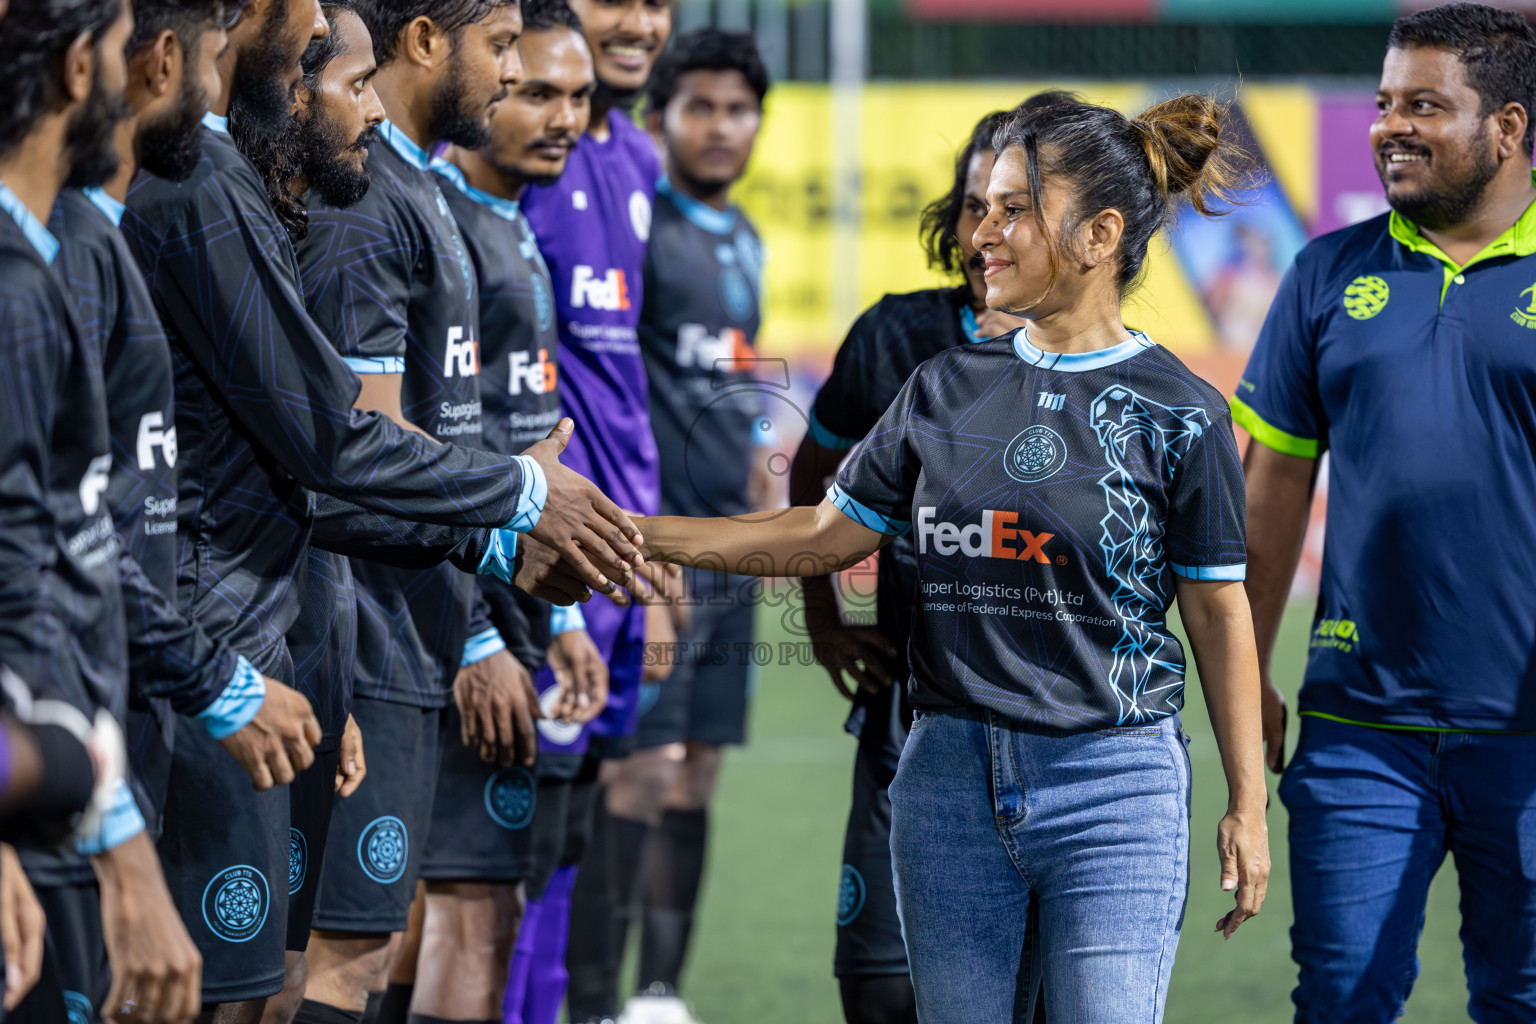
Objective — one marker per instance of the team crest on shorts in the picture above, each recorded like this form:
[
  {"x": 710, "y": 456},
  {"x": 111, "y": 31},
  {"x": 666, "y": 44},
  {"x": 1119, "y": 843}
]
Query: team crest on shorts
[
  {"x": 77, "y": 1008},
  {"x": 298, "y": 860},
  {"x": 850, "y": 896},
  {"x": 383, "y": 848},
  {"x": 235, "y": 903},
  {"x": 509, "y": 797},
  {"x": 1036, "y": 454}
]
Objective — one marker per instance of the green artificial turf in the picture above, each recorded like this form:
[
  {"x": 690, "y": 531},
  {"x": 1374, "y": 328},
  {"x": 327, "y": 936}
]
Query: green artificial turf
[{"x": 762, "y": 949}]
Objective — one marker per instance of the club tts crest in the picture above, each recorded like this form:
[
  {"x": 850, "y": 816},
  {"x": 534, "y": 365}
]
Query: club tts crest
[{"x": 1526, "y": 317}]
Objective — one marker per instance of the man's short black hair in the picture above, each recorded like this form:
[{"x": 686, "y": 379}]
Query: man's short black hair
[
  {"x": 37, "y": 33},
  {"x": 1497, "y": 48},
  {"x": 543, "y": 15},
  {"x": 707, "y": 49},
  {"x": 189, "y": 19},
  {"x": 385, "y": 18}
]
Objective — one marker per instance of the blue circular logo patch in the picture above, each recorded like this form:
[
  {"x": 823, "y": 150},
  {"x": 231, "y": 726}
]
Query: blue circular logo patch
[
  {"x": 736, "y": 294},
  {"x": 383, "y": 848},
  {"x": 850, "y": 896},
  {"x": 1035, "y": 454},
  {"x": 77, "y": 1008},
  {"x": 235, "y": 903},
  {"x": 509, "y": 797},
  {"x": 298, "y": 860},
  {"x": 543, "y": 303}
]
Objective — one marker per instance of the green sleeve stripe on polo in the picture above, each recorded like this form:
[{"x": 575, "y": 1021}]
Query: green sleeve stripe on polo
[{"x": 1270, "y": 436}]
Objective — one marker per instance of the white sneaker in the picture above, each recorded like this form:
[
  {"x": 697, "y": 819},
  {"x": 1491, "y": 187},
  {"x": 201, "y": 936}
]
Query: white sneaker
[{"x": 649, "y": 1009}]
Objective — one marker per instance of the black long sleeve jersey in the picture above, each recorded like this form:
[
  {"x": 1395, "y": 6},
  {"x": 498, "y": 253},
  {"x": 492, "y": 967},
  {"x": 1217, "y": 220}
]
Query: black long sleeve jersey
[
  {"x": 390, "y": 283},
  {"x": 61, "y": 613},
  {"x": 264, "y": 409}
]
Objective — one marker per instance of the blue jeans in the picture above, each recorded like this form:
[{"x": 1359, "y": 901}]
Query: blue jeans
[
  {"x": 1093, "y": 828},
  {"x": 1373, "y": 813}
]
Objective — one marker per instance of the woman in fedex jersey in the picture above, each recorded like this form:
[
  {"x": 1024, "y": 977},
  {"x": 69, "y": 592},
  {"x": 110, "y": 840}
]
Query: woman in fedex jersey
[{"x": 1063, "y": 483}]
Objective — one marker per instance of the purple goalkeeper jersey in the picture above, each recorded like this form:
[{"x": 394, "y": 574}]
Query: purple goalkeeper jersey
[{"x": 592, "y": 225}]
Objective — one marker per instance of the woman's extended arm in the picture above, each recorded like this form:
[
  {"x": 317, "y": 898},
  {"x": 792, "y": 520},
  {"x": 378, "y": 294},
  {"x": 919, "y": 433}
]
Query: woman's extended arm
[
  {"x": 800, "y": 541},
  {"x": 1220, "y": 628}
]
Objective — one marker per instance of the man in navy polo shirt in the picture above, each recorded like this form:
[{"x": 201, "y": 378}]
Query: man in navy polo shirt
[{"x": 1406, "y": 347}]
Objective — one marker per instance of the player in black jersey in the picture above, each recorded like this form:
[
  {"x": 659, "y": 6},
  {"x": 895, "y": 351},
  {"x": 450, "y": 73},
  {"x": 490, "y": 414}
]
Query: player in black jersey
[
  {"x": 1052, "y": 537},
  {"x": 887, "y": 343},
  {"x": 264, "y": 419},
  {"x": 62, "y": 628},
  {"x": 390, "y": 281},
  {"x": 498, "y": 832}
]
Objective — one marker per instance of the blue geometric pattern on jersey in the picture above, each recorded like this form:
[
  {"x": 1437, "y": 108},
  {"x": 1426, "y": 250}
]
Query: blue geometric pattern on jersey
[
  {"x": 1129, "y": 428},
  {"x": 850, "y": 896},
  {"x": 298, "y": 860},
  {"x": 510, "y": 795},
  {"x": 235, "y": 903},
  {"x": 383, "y": 849},
  {"x": 77, "y": 1008}
]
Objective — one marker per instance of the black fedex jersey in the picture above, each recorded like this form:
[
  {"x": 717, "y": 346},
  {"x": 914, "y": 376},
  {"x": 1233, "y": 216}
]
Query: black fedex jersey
[
  {"x": 61, "y": 613},
  {"x": 264, "y": 408},
  {"x": 169, "y": 655},
  {"x": 391, "y": 284},
  {"x": 519, "y": 344},
  {"x": 703, "y": 275},
  {"x": 1052, "y": 500}
]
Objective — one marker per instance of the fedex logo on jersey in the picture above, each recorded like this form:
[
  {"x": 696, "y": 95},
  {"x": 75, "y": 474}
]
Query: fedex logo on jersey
[
  {"x": 462, "y": 356},
  {"x": 538, "y": 376},
  {"x": 996, "y": 536},
  {"x": 697, "y": 347},
  {"x": 609, "y": 293},
  {"x": 153, "y": 433}
]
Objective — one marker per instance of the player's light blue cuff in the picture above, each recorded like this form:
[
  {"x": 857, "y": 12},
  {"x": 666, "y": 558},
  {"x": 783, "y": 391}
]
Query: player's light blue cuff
[
  {"x": 824, "y": 437},
  {"x": 362, "y": 365},
  {"x": 500, "y": 556},
  {"x": 120, "y": 822},
  {"x": 482, "y": 645},
  {"x": 864, "y": 515},
  {"x": 566, "y": 618},
  {"x": 530, "y": 500},
  {"x": 1205, "y": 573},
  {"x": 242, "y": 698}
]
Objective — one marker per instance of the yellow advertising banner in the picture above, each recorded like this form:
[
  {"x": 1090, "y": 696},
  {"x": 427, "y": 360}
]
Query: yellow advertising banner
[{"x": 1195, "y": 302}]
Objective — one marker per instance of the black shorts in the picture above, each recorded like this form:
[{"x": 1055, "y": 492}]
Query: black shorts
[
  {"x": 224, "y": 850},
  {"x": 547, "y": 834},
  {"x": 705, "y": 698},
  {"x": 75, "y": 977},
  {"x": 309, "y": 806},
  {"x": 482, "y": 815},
  {"x": 868, "y": 928},
  {"x": 373, "y": 854}
]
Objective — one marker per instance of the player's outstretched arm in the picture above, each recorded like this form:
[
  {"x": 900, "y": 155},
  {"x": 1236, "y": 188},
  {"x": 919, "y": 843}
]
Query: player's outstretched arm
[
  {"x": 860, "y": 653},
  {"x": 1279, "y": 490},
  {"x": 801, "y": 541},
  {"x": 1216, "y": 616}
]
